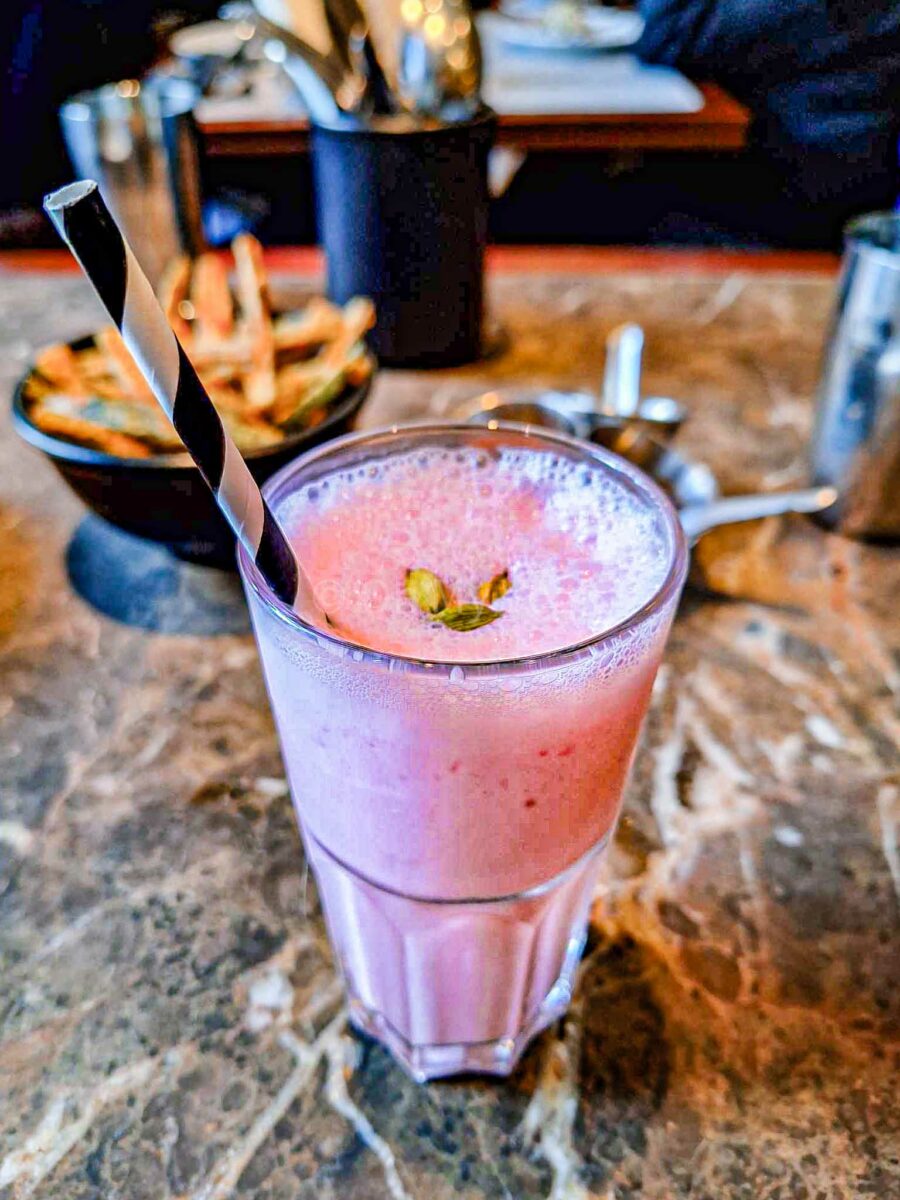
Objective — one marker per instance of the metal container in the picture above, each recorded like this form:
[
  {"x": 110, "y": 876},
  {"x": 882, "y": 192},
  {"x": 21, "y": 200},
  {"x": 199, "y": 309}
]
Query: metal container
[
  {"x": 856, "y": 441},
  {"x": 139, "y": 141}
]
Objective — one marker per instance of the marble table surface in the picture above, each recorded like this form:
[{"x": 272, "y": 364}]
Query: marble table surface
[{"x": 170, "y": 1022}]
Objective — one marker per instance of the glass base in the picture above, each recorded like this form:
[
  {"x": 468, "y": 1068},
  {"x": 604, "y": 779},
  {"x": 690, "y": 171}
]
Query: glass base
[
  {"x": 456, "y": 986},
  {"x": 498, "y": 1057}
]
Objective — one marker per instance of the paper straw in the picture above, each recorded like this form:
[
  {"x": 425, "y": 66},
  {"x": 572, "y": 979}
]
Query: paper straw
[{"x": 87, "y": 226}]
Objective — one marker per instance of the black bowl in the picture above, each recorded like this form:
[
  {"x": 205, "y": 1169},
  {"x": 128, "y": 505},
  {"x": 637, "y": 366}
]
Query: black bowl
[{"x": 164, "y": 498}]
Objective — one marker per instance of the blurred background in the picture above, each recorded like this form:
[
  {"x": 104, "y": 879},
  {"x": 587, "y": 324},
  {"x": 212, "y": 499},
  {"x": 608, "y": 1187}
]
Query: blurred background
[{"x": 700, "y": 122}]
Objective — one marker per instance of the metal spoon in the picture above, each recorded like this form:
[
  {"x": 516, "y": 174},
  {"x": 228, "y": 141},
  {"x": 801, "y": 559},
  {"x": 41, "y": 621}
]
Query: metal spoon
[
  {"x": 687, "y": 483},
  {"x": 276, "y": 20},
  {"x": 317, "y": 95},
  {"x": 342, "y": 17},
  {"x": 348, "y": 26},
  {"x": 621, "y": 395},
  {"x": 693, "y": 488},
  {"x": 439, "y": 61},
  {"x": 659, "y": 416},
  {"x": 365, "y": 62},
  {"x": 730, "y": 510},
  {"x": 621, "y": 389},
  {"x": 538, "y": 416}
]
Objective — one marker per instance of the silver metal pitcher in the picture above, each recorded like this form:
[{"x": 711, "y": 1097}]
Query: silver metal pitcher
[
  {"x": 856, "y": 441},
  {"x": 139, "y": 141}
]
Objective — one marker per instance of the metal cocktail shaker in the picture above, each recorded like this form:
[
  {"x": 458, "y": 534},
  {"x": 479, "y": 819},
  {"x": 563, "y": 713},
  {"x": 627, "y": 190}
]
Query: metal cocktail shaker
[
  {"x": 856, "y": 442},
  {"x": 139, "y": 141}
]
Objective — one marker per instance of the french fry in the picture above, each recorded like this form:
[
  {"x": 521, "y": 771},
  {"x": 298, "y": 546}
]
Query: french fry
[
  {"x": 225, "y": 397},
  {"x": 122, "y": 365},
  {"x": 59, "y": 365},
  {"x": 236, "y": 352},
  {"x": 250, "y": 433},
  {"x": 211, "y": 298},
  {"x": 134, "y": 419},
  {"x": 253, "y": 295},
  {"x": 74, "y": 429},
  {"x": 266, "y": 376},
  {"x": 307, "y": 328},
  {"x": 92, "y": 363},
  {"x": 293, "y": 382},
  {"x": 105, "y": 387},
  {"x": 358, "y": 317},
  {"x": 101, "y": 379},
  {"x": 314, "y": 417},
  {"x": 252, "y": 284},
  {"x": 359, "y": 365},
  {"x": 95, "y": 370},
  {"x": 259, "y": 388},
  {"x": 319, "y": 390},
  {"x": 173, "y": 293}
]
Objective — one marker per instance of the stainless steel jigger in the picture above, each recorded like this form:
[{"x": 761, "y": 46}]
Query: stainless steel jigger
[{"x": 856, "y": 442}]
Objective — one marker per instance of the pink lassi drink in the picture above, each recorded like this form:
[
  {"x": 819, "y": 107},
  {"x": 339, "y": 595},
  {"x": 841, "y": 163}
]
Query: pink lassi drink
[{"x": 458, "y": 740}]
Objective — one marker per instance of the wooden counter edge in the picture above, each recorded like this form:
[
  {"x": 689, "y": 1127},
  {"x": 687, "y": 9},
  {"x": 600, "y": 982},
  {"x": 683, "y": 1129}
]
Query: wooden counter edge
[
  {"x": 721, "y": 124},
  {"x": 575, "y": 260}
]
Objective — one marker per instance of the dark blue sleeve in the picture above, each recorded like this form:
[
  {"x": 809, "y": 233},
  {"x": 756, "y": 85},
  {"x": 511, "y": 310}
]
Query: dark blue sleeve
[
  {"x": 716, "y": 37},
  {"x": 821, "y": 78},
  {"x": 671, "y": 28}
]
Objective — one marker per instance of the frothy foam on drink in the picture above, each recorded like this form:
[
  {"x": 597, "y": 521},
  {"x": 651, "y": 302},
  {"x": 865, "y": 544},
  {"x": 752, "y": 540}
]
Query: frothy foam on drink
[{"x": 583, "y": 550}]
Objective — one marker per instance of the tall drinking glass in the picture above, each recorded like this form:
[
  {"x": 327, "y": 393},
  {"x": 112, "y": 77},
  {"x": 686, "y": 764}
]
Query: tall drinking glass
[{"x": 454, "y": 813}]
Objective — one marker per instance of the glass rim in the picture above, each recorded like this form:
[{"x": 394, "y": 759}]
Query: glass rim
[
  {"x": 175, "y": 96},
  {"x": 544, "y": 659}
]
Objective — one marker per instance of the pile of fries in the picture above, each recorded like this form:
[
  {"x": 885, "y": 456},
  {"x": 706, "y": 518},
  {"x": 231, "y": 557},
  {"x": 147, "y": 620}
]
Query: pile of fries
[{"x": 269, "y": 376}]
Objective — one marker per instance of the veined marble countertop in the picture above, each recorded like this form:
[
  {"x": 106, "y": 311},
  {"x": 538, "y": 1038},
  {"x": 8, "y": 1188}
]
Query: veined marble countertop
[{"x": 171, "y": 1023}]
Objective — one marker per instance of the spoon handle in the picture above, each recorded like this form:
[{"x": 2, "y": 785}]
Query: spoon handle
[
  {"x": 622, "y": 371},
  {"x": 732, "y": 509}
]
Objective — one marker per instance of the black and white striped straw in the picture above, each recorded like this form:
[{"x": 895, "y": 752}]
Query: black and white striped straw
[{"x": 87, "y": 226}]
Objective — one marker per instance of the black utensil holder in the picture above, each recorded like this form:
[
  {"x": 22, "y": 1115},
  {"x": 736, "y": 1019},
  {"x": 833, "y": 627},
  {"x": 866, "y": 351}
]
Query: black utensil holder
[{"x": 403, "y": 219}]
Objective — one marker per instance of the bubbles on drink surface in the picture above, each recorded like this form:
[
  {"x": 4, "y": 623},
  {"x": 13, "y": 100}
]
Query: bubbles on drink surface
[{"x": 582, "y": 548}]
